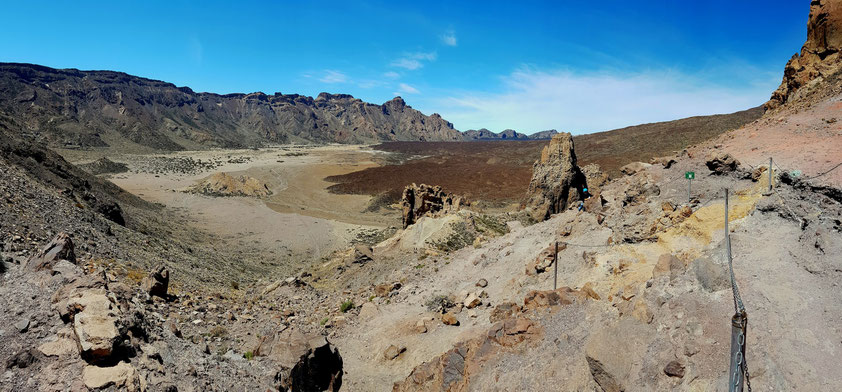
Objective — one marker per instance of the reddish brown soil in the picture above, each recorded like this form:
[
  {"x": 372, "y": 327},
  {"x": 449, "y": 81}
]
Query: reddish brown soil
[{"x": 499, "y": 171}]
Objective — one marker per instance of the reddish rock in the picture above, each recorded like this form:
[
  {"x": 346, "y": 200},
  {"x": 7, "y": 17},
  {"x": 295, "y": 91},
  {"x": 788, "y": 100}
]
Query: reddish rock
[{"x": 557, "y": 182}]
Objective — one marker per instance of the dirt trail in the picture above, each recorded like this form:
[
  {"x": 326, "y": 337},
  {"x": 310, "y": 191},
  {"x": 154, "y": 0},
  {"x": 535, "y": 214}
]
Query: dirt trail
[{"x": 502, "y": 262}]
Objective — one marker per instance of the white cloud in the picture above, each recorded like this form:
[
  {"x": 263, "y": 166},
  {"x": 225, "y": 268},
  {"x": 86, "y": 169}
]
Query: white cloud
[
  {"x": 534, "y": 100},
  {"x": 331, "y": 76},
  {"x": 392, "y": 75},
  {"x": 449, "y": 38},
  {"x": 413, "y": 61},
  {"x": 405, "y": 88}
]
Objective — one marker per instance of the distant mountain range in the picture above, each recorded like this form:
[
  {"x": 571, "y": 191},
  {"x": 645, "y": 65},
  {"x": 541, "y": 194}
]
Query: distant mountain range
[
  {"x": 72, "y": 108},
  {"x": 508, "y": 134}
]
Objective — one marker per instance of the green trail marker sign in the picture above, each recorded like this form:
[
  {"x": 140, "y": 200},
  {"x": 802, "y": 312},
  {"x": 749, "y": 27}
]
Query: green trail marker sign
[{"x": 689, "y": 175}]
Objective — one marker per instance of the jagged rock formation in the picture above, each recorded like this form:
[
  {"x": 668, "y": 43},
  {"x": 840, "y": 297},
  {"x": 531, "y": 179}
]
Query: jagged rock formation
[
  {"x": 68, "y": 107},
  {"x": 157, "y": 282},
  {"x": 424, "y": 200},
  {"x": 60, "y": 248},
  {"x": 556, "y": 180},
  {"x": 224, "y": 184},
  {"x": 819, "y": 57}
]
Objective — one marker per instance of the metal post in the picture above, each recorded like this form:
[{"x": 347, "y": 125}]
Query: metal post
[
  {"x": 738, "y": 352},
  {"x": 689, "y": 184},
  {"x": 555, "y": 263},
  {"x": 770, "y": 174},
  {"x": 727, "y": 233}
]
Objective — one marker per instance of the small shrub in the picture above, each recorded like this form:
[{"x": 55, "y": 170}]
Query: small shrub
[
  {"x": 490, "y": 224},
  {"x": 460, "y": 238},
  {"x": 235, "y": 285},
  {"x": 248, "y": 355},
  {"x": 324, "y": 321},
  {"x": 346, "y": 306},
  {"x": 419, "y": 266},
  {"x": 439, "y": 303}
]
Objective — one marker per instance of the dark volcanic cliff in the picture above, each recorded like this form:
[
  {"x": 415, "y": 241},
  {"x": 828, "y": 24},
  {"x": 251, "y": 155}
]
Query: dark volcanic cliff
[{"x": 68, "y": 107}]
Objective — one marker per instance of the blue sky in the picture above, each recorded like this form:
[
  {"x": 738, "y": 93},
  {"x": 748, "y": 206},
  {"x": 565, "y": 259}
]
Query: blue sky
[{"x": 573, "y": 66}]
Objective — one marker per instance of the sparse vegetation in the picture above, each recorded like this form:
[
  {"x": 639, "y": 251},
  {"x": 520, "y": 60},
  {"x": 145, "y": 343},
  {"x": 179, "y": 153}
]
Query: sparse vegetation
[
  {"x": 248, "y": 355},
  {"x": 462, "y": 236},
  {"x": 488, "y": 224},
  {"x": 439, "y": 303},
  {"x": 346, "y": 306}
]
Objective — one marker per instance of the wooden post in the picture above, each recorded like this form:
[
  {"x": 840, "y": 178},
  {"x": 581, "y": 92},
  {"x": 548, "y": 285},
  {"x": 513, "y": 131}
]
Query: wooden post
[{"x": 555, "y": 266}]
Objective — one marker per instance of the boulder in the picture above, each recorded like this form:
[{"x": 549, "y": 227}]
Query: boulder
[
  {"x": 363, "y": 254},
  {"x": 425, "y": 200},
  {"x": 721, "y": 163},
  {"x": 472, "y": 301},
  {"x": 393, "y": 352},
  {"x": 634, "y": 167},
  {"x": 368, "y": 311},
  {"x": 383, "y": 290},
  {"x": 97, "y": 325},
  {"x": 674, "y": 369},
  {"x": 306, "y": 363},
  {"x": 157, "y": 282},
  {"x": 60, "y": 248},
  {"x": 122, "y": 376},
  {"x": 503, "y": 311},
  {"x": 59, "y": 347},
  {"x": 556, "y": 180},
  {"x": 449, "y": 319}
]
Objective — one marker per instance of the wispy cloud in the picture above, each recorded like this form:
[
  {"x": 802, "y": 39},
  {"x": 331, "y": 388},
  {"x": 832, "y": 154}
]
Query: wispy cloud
[
  {"x": 449, "y": 38},
  {"x": 405, "y": 88},
  {"x": 332, "y": 76},
  {"x": 413, "y": 61},
  {"x": 391, "y": 75},
  {"x": 533, "y": 100}
]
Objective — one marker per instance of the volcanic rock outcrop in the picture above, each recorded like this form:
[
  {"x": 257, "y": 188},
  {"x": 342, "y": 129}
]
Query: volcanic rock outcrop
[
  {"x": 425, "y": 200},
  {"x": 556, "y": 180},
  {"x": 224, "y": 184},
  {"x": 819, "y": 57}
]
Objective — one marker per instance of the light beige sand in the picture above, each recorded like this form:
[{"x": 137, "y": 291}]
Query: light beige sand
[{"x": 301, "y": 219}]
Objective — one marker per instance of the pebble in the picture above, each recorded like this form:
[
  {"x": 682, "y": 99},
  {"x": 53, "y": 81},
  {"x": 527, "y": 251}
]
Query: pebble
[{"x": 22, "y": 325}]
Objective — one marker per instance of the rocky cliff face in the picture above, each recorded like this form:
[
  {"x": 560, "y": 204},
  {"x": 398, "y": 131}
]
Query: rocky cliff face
[
  {"x": 819, "y": 57},
  {"x": 556, "y": 180},
  {"x": 69, "y": 107}
]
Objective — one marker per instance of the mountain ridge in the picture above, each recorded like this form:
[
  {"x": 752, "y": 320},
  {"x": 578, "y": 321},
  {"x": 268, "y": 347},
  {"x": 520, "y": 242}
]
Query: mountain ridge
[{"x": 74, "y": 108}]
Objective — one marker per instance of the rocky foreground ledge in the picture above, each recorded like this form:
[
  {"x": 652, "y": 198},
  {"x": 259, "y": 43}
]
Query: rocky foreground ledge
[{"x": 77, "y": 328}]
